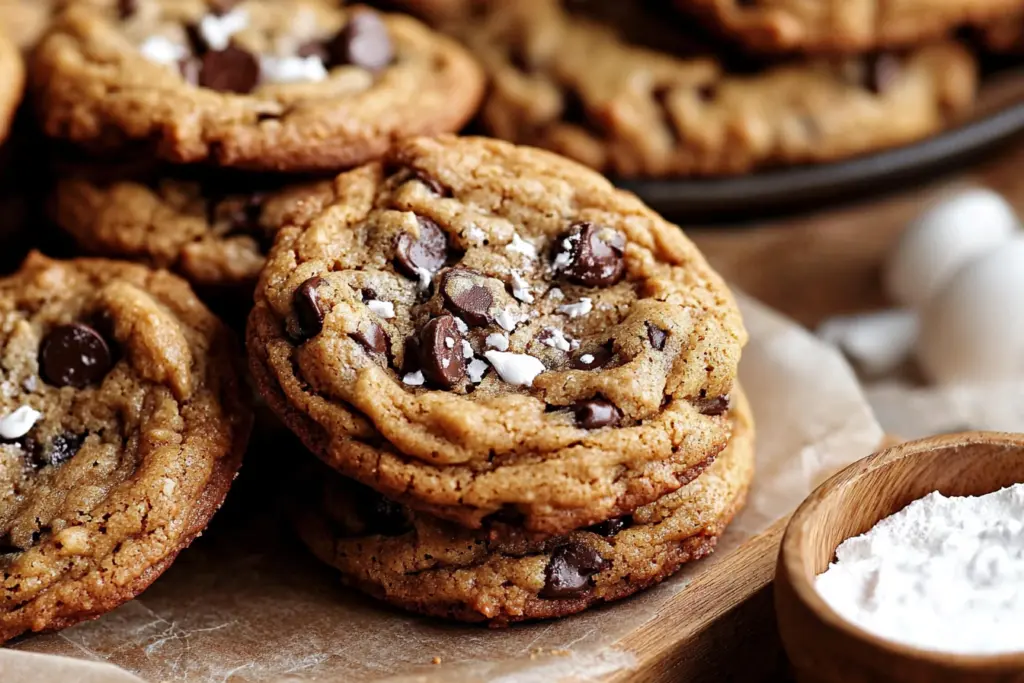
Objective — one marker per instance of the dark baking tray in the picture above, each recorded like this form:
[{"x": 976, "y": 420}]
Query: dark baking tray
[{"x": 998, "y": 116}]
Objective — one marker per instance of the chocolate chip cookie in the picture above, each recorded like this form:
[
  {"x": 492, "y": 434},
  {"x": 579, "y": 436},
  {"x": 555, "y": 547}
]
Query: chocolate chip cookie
[
  {"x": 286, "y": 85},
  {"x": 495, "y": 335},
  {"x": 575, "y": 84},
  {"x": 122, "y": 424},
  {"x": 425, "y": 565},
  {"x": 12, "y": 83},
  {"x": 1005, "y": 37},
  {"x": 212, "y": 230},
  {"x": 842, "y": 25}
]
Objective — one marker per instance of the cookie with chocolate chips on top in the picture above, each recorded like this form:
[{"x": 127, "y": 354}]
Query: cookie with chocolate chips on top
[
  {"x": 284, "y": 85},
  {"x": 433, "y": 567},
  {"x": 123, "y": 420},
  {"x": 497, "y": 336}
]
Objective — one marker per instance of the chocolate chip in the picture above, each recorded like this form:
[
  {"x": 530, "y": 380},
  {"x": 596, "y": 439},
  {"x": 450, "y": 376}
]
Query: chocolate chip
[
  {"x": 379, "y": 515},
  {"x": 508, "y": 514},
  {"x": 374, "y": 339},
  {"x": 881, "y": 71},
  {"x": 441, "y": 352},
  {"x": 229, "y": 70},
  {"x": 599, "y": 358},
  {"x": 7, "y": 546},
  {"x": 369, "y": 294},
  {"x": 712, "y": 407},
  {"x": 570, "y": 569},
  {"x": 427, "y": 252},
  {"x": 595, "y": 413},
  {"x": 707, "y": 92},
  {"x": 364, "y": 42},
  {"x": 656, "y": 336},
  {"x": 465, "y": 297},
  {"x": 306, "y": 301},
  {"x": 411, "y": 355},
  {"x": 127, "y": 8},
  {"x": 60, "y": 449},
  {"x": 610, "y": 527},
  {"x": 595, "y": 256},
  {"x": 74, "y": 356}
]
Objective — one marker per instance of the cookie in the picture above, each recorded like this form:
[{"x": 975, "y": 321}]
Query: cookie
[
  {"x": 494, "y": 334},
  {"x": 285, "y": 85},
  {"x": 213, "y": 231},
  {"x": 1005, "y": 37},
  {"x": 842, "y": 25},
  {"x": 12, "y": 84},
  {"x": 425, "y": 565},
  {"x": 574, "y": 84},
  {"x": 436, "y": 11},
  {"x": 122, "y": 424},
  {"x": 25, "y": 21}
]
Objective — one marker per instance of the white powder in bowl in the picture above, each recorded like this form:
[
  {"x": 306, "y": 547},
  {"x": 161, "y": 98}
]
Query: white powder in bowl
[{"x": 943, "y": 574}]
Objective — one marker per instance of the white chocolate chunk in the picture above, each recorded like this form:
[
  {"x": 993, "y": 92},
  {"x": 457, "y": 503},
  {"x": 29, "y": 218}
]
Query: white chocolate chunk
[
  {"x": 586, "y": 359},
  {"x": 578, "y": 309},
  {"x": 384, "y": 309},
  {"x": 162, "y": 50},
  {"x": 19, "y": 423},
  {"x": 309, "y": 69},
  {"x": 217, "y": 30},
  {"x": 498, "y": 341},
  {"x": 467, "y": 349},
  {"x": 556, "y": 339},
  {"x": 476, "y": 370},
  {"x": 521, "y": 288},
  {"x": 518, "y": 369},
  {"x": 521, "y": 246},
  {"x": 413, "y": 379},
  {"x": 507, "y": 319}
]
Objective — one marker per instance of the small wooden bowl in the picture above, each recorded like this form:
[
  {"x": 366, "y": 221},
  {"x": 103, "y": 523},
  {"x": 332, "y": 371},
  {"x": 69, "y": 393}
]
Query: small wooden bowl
[{"x": 822, "y": 646}]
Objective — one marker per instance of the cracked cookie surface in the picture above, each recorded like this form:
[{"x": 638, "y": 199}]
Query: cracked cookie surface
[
  {"x": 842, "y": 25},
  {"x": 578, "y": 85},
  {"x": 433, "y": 567},
  {"x": 476, "y": 328},
  {"x": 122, "y": 423},
  {"x": 286, "y": 85}
]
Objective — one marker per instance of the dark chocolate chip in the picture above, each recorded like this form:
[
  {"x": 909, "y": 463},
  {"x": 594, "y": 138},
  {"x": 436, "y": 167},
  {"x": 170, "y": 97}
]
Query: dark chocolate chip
[
  {"x": 379, "y": 515},
  {"x": 374, "y": 339},
  {"x": 881, "y": 71},
  {"x": 364, "y": 42},
  {"x": 707, "y": 92},
  {"x": 229, "y": 70},
  {"x": 411, "y": 355},
  {"x": 508, "y": 514},
  {"x": 610, "y": 527},
  {"x": 74, "y": 355},
  {"x": 712, "y": 407},
  {"x": 441, "y": 352},
  {"x": 7, "y": 546},
  {"x": 570, "y": 569},
  {"x": 127, "y": 8},
  {"x": 428, "y": 251},
  {"x": 602, "y": 355},
  {"x": 595, "y": 413},
  {"x": 595, "y": 255},
  {"x": 464, "y": 296},
  {"x": 656, "y": 336},
  {"x": 60, "y": 449},
  {"x": 308, "y": 312},
  {"x": 369, "y": 294}
]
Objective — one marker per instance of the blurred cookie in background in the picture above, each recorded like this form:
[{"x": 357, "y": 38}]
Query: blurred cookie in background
[{"x": 25, "y": 21}]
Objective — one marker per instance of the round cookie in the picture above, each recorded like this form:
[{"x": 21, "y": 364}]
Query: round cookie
[
  {"x": 842, "y": 25},
  {"x": 494, "y": 334},
  {"x": 286, "y": 85},
  {"x": 213, "y": 231},
  {"x": 12, "y": 83},
  {"x": 433, "y": 567},
  {"x": 576, "y": 85},
  {"x": 122, "y": 425}
]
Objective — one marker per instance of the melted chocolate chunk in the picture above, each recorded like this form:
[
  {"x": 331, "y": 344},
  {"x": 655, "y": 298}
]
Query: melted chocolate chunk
[
  {"x": 656, "y": 336},
  {"x": 718, "y": 405},
  {"x": 308, "y": 312},
  {"x": 601, "y": 356},
  {"x": 508, "y": 514},
  {"x": 610, "y": 527},
  {"x": 364, "y": 42},
  {"x": 427, "y": 252},
  {"x": 74, "y": 355},
  {"x": 596, "y": 413},
  {"x": 570, "y": 569},
  {"x": 379, "y": 515},
  {"x": 595, "y": 257},
  {"x": 881, "y": 71},
  {"x": 465, "y": 297},
  {"x": 374, "y": 339},
  {"x": 229, "y": 70},
  {"x": 127, "y": 8},
  {"x": 441, "y": 352}
]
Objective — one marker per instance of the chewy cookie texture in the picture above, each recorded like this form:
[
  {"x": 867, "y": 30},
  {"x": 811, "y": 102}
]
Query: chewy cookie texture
[
  {"x": 495, "y": 335},
  {"x": 423, "y": 564},
  {"x": 283, "y": 85},
  {"x": 123, "y": 423}
]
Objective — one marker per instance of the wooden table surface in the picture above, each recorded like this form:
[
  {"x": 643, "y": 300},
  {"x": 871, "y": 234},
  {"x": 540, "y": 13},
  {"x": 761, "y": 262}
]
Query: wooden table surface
[{"x": 810, "y": 267}]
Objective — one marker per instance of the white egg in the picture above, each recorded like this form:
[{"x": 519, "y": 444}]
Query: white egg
[
  {"x": 877, "y": 343},
  {"x": 943, "y": 239},
  {"x": 973, "y": 329}
]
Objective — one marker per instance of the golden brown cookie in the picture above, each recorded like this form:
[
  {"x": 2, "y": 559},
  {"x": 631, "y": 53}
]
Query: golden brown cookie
[
  {"x": 25, "y": 21},
  {"x": 12, "y": 83},
  {"x": 122, "y": 424},
  {"x": 425, "y": 565},
  {"x": 576, "y": 85},
  {"x": 842, "y": 25},
  {"x": 285, "y": 85},
  {"x": 476, "y": 328}
]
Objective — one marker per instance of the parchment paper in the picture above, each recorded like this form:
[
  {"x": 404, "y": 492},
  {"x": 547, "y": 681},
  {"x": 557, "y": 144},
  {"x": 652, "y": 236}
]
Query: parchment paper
[{"x": 246, "y": 603}]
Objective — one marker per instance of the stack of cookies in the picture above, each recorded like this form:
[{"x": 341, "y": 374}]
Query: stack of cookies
[
  {"x": 526, "y": 377},
  {"x": 656, "y": 88}
]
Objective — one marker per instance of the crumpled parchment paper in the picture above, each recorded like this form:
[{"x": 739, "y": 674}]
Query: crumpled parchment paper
[{"x": 247, "y": 604}]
